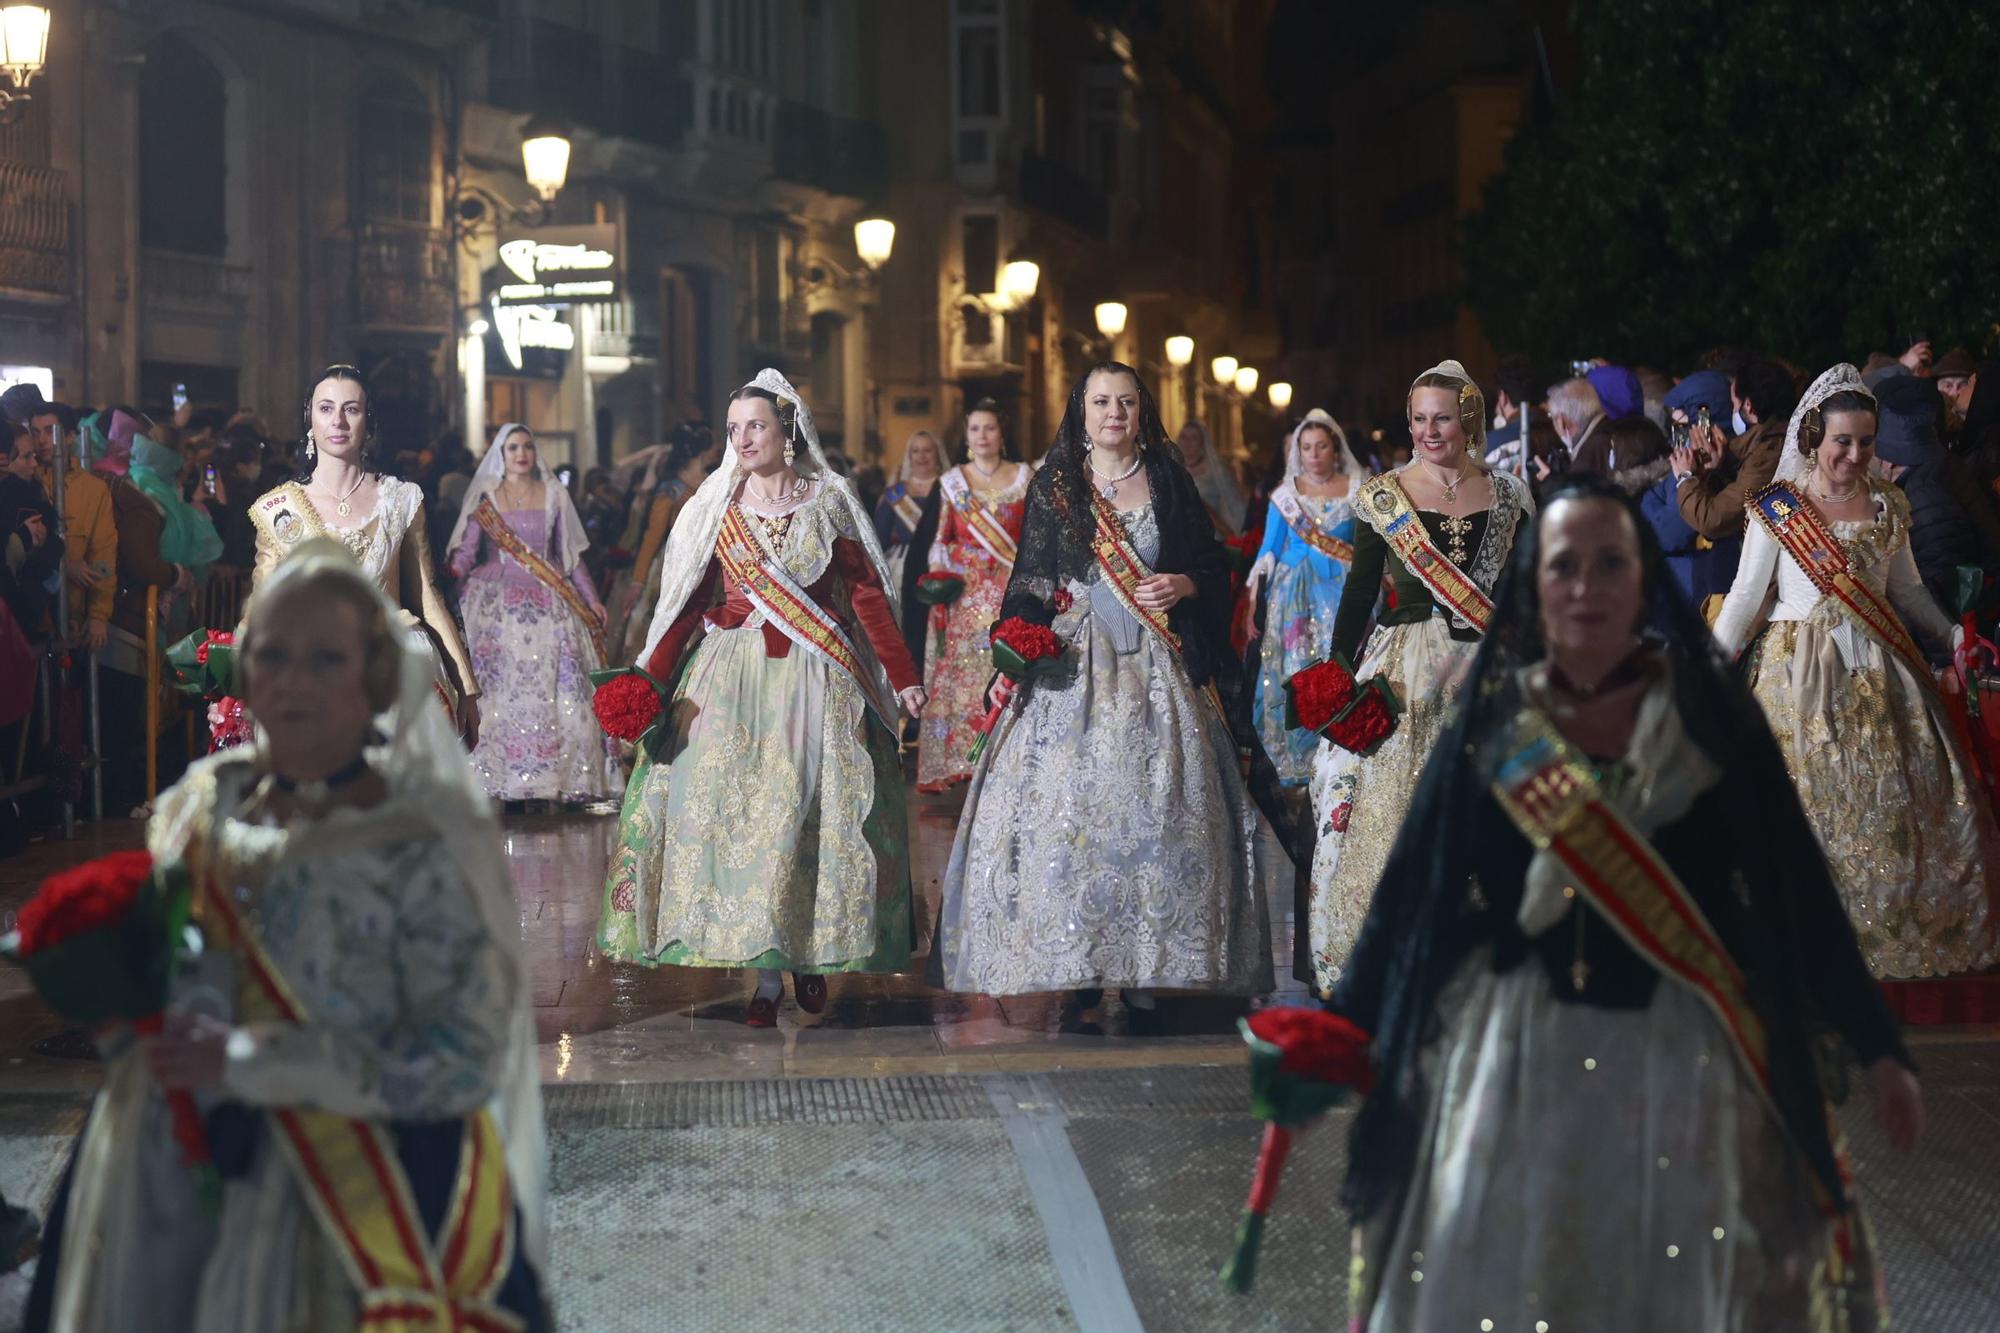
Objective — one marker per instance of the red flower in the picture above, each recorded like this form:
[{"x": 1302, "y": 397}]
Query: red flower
[
  {"x": 1336, "y": 822},
  {"x": 1061, "y": 601},
  {"x": 1030, "y": 642},
  {"x": 1320, "y": 692},
  {"x": 84, "y": 898},
  {"x": 228, "y": 727},
  {"x": 626, "y": 706},
  {"x": 1368, "y": 721},
  {"x": 1316, "y": 1045}
]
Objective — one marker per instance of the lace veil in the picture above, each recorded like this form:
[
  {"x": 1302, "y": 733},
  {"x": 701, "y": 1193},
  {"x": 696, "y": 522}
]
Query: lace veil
[
  {"x": 563, "y": 521},
  {"x": 691, "y": 544},
  {"x": 1794, "y": 464}
]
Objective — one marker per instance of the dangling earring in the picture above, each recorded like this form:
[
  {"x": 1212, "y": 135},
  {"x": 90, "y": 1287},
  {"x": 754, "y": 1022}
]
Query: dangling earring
[
  {"x": 791, "y": 452},
  {"x": 1812, "y": 459},
  {"x": 312, "y": 452}
]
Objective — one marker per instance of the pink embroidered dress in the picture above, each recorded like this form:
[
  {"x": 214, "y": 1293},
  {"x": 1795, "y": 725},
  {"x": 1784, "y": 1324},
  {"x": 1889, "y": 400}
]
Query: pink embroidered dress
[{"x": 972, "y": 521}]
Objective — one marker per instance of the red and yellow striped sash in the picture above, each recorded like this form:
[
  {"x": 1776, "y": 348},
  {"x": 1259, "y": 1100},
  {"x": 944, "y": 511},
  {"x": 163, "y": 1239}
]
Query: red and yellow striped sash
[
  {"x": 355, "y": 1185},
  {"x": 979, "y": 518},
  {"x": 1797, "y": 527},
  {"x": 787, "y": 605},
  {"x": 1552, "y": 797},
  {"x": 494, "y": 523},
  {"x": 1123, "y": 571},
  {"x": 1395, "y": 517}
]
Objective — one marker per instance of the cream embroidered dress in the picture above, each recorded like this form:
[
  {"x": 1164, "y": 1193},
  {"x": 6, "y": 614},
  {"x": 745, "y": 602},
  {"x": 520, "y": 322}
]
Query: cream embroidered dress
[
  {"x": 392, "y": 549},
  {"x": 1905, "y": 826},
  {"x": 1107, "y": 837},
  {"x": 771, "y": 829},
  {"x": 1423, "y": 651}
]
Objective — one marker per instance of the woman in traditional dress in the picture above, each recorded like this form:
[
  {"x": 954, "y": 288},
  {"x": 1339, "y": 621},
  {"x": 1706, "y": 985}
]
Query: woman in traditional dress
[
  {"x": 357, "y": 1027},
  {"x": 1213, "y": 478},
  {"x": 1440, "y": 526},
  {"x": 1597, "y": 978},
  {"x": 536, "y": 630},
  {"x": 768, "y": 829},
  {"x": 1308, "y": 545},
  {"x": 671, "y": 479},
  {"x": 984, "y": 499},
  {"x": 1108, "y": 838},
  {"x": 906, "y": 523},
  {"x": 380, "y": 519},
  {"x": 1883, "y": 777}
]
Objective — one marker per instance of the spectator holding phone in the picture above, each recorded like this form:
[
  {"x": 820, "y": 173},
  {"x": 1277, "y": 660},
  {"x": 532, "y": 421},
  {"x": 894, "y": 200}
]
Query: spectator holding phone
[
  {"x": 1716, "y": 475},
  {"x": 29, "y": 537}
]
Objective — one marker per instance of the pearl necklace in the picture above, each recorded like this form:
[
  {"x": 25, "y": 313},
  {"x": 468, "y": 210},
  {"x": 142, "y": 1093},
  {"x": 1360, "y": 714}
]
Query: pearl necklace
[
  {"x": 1109, "y": 490},
  {"x": 1836, "y": 499},
  {"x": 789, "y": 493},
  {"x": 988, "y": 473}
]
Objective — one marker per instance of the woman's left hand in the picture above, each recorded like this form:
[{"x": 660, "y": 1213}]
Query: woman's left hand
[
  {"x": 1899, "y": 1102},
  {"x": 468, "y": 721},
  {"x": 1160, "y": 592},
  {"x": 190, "y": 1053},
  {"x": 914, "y": 699}
]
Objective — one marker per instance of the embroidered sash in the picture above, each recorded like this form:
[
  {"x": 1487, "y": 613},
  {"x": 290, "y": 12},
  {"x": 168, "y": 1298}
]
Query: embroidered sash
[
  {"x": 753, "y": 568},
  {"x": 408, "y": 1281},
  {"x": 286, "y": 517},
  {"x": 1397, "y": 521},
  {"x": 906, "y": 508},
  {"x": 979, "y": 517},
  {"x": 1551, "y": 796},
  {"x": 1293, "y": 507},
  {"x": 1797, "y": 527},
  {"x": 489, "y": 518},
  {"x": 1123, "y": 571}
]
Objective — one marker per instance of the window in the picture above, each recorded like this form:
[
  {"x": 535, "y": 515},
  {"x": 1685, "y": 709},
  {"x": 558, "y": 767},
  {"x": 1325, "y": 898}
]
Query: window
[
  {"x": 182, "y": 164},
  {"x": 394, "y": 153},
  {"x": 980, "y": 238},
  {"x": 979, "y": 73}
]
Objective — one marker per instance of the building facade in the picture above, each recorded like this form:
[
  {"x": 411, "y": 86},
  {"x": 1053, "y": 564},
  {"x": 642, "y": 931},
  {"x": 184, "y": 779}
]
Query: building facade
[{"x": 1103, "y": 144}]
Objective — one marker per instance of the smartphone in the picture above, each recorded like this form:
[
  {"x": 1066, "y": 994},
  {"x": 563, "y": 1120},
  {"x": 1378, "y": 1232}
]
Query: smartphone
[
  {"x": 208, "y": 481},
  {"x": 180, "y": 396}
]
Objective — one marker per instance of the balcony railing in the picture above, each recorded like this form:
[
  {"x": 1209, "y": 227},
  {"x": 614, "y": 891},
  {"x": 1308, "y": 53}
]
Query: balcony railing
[
  {"x": 1048, "y": 185},
  {"x": 833, "y": 153},
  {"x": 34, "y": 230},
  {"x": 175, "y": 279},
  {"x": 402, "y": 277},
  {"x": 562, "y": 71}
]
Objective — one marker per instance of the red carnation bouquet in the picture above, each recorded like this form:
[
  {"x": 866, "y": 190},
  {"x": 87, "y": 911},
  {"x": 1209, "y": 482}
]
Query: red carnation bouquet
[
  {"x": 939, "y": 587},
  {"x": 1355, "y": 715},
  {"x": 99, "y": 941},
  {"x": 204, "y": 665},
  {"x": 1315, "y": 696},
  {"x": 1302, "y": 1063},
  {"x": 629, "y": 703},
  {"x": 1369, "y": 720},
  {"x": 1022, "y": 650}
]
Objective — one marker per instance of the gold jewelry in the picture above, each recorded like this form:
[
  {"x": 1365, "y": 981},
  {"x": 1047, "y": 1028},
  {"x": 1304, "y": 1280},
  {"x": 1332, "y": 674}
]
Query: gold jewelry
[{"x": 340, "y": 505}]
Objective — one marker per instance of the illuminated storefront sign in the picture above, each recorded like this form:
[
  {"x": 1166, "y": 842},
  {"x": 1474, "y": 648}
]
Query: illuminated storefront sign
[
  {"x": 558, "y": 266},
  {"x": 524, "y": 328}
]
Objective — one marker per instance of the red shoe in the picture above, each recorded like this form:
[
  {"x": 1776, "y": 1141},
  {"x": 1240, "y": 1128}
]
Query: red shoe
[
  {"x": 761, "y": 1013},
  {"x": 809, "y": 989}
]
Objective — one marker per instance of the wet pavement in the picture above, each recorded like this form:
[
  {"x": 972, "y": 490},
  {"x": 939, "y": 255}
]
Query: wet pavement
[{"x": 916, "y": 1160}]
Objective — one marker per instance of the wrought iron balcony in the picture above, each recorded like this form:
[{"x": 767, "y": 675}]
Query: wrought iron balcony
[
  {"x": 35, "y": 247},
  {"x": 402, "y": 277},
  {"x": 174, "y": 279}
]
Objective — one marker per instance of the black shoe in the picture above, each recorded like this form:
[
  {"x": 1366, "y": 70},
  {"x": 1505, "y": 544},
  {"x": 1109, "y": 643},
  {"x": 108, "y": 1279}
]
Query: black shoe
[
  {"x": 1146, "y": 1022},
  {"x": 20, "y": 1237}
]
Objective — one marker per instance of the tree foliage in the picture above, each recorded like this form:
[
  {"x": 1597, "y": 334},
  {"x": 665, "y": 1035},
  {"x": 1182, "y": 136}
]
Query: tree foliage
[{"x": 1820, "y": 178}]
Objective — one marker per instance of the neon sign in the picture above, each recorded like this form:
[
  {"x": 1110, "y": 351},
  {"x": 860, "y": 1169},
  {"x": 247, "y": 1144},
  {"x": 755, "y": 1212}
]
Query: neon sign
[{"x": 558, "y": 266}]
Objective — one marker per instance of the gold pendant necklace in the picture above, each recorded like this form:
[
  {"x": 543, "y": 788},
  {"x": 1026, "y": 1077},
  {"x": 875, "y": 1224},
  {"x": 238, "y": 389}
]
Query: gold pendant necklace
[{"x": 340, "y": 505}]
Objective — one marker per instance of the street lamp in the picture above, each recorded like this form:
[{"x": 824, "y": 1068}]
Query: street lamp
[
  {"x": 24, "y": 48},
  {"x": 1281, "y": 394},
  {"x": 545, "y": 157},
  {"x": 1111, "y": 317},
  {"x": 874, "y": 241},
  {"x": 1180, "y": 350},
  {"x": 1224, "y": 368},
  {"x": 1018, "y": 281},
  {"x": 1246, "y": 380}
]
